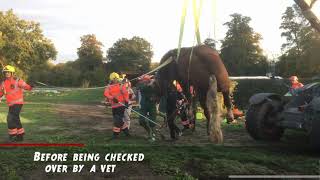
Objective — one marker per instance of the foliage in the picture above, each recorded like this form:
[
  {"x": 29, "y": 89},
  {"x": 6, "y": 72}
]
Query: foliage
[
  {"x": 210, "y": 42},
  {"x": 62, "y": 74},
  {"x": 301, "y": 50},
  {"x": 87, "y": 70},
  {"x": 240, "y": 49},
  {"x": 90, "y": 60},
  {"x": 22, "y": 42},
  {"x": 90, "y": 53},
  {"x": 133, "y": 55}
]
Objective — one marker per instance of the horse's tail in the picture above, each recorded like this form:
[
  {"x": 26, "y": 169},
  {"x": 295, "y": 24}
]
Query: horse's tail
[{"x": 213, "y": 107}]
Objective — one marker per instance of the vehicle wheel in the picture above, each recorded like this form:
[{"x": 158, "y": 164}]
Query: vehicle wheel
[
  {"x": 260, "y": 121},
  {"x": 314, "y": 131}
]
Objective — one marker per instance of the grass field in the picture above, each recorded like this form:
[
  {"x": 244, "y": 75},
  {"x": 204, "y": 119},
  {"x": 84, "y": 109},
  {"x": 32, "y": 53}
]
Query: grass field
[{"x": 74, "y": 117}]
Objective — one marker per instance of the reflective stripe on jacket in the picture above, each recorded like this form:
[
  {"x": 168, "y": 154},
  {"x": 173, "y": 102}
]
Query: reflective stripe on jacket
[{"x": 296, "y": 85}]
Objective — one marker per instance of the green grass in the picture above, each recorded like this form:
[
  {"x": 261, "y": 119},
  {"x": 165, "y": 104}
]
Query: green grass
[
  {"x": 162, "y": 159},
  {"x": 65, "y": 96}
]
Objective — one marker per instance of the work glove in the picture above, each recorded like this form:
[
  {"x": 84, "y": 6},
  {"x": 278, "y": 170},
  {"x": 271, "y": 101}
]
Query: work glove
[
  {"x": 115, "y": 100},
  {"x": 32, "y": 84}
]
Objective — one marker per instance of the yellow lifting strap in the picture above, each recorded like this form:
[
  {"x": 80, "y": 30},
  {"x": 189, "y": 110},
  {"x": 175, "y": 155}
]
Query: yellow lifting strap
[
  {"x": 214, "y": 18},
  {"x": 183, "y": 17},
  {"x": 196, "y": 15}
]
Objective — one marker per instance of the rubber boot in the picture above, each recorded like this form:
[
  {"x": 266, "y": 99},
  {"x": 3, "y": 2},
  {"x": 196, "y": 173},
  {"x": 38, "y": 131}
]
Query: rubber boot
[
  {"x": 20, "y": 137},
  {"x": 145, "y": 126},
  {"x": 12, "y": 138},
  {"x": 115, "y": 136},
  {"x": 152, "y": 137},
  {"x": 126, "y": 132}
]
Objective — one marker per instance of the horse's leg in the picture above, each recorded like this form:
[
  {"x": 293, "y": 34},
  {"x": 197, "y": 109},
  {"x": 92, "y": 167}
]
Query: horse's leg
[
  {"x": 228, "y": 104},
  {"x": 207, "y": 112},
  {"x": 213, "y": 108},
  {"x": 174, "y": 130},
  {"x": 171, "y": 115},
  {"x": 193, "y": 107}
]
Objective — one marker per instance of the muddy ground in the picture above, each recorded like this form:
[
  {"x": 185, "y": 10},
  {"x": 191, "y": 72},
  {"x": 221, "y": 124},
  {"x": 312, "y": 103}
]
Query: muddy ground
[
  {"x": 99, "y": 118},
  {"x": 85, "y": 119}
]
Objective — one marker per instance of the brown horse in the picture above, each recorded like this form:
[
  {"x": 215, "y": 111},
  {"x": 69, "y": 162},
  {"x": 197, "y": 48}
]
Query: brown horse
[{"x": 202, "y": 68}]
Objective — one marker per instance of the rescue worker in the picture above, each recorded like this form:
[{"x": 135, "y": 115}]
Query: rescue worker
[
  {"x": 236, "y": 112},
  {"x": 117, "y": 94},
  {"x": 12, "y": 88},
  {"x": 132, "y": 98},
  {"x": 181, "y": 103},
  {"x": 148, "y": 108},
  {"x": 295, "y": 82}
]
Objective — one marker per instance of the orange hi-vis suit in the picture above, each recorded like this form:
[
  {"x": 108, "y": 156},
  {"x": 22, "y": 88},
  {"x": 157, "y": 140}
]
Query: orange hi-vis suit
[
  {"x": 118, "y": 94},
  {"x": 118, "y": 91},
  {"x": 296, "y": 85},
  {"x": 12, "y": 89}
]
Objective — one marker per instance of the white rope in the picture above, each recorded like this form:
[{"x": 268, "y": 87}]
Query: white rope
[
  {"x": 140, "y": 114},
  {"x": 169, "y": 60}
]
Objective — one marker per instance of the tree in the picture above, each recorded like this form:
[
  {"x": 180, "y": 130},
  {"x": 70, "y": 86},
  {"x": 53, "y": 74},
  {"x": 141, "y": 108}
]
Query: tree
[
  {"x": 133, "y": 55},
  {"x": 90, "y": 60},
  {"x": 22, "y": 42},
  {"x": 210, "y": 42},
  {"x": 2, "y": 43},
  {"x": 301, "y": 49},
  {"x": 240, "y": 48},
  {"x": 90, "y": 53}
]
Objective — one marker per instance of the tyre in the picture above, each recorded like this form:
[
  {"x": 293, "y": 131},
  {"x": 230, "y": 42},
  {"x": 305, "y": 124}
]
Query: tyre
[
  {"x": 261, "y": 119},
  {"x": 314, "y": 131}
]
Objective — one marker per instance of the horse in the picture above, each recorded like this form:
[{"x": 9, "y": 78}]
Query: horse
[{"x": 202, "y": 68}]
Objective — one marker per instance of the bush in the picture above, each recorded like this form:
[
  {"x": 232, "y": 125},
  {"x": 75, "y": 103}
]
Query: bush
[{"x": 248, "y": 87}]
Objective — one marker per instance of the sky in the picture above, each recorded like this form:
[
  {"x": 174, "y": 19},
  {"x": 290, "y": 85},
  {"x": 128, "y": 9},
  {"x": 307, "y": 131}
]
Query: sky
[{"x": 157, "y": 21}]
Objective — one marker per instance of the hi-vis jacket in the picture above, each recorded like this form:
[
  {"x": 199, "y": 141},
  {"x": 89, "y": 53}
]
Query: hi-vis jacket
[
  {"x": 118, "y": 91},
  {"x": 296, "y": 85},
  {"x": 13, "y": 88}
]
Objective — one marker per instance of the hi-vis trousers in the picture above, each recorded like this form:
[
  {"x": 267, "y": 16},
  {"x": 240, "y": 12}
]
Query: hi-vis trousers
[{"x": 13, "y": 120}]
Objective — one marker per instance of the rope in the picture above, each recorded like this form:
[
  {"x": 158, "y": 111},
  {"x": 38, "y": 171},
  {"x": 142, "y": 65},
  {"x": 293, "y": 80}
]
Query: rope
[
  {"x": 157, "y": 68},
  {"x": 214, "y": 15},
  {"x": 141, "y": 115},
  {"x": 169, "y": 60}
]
